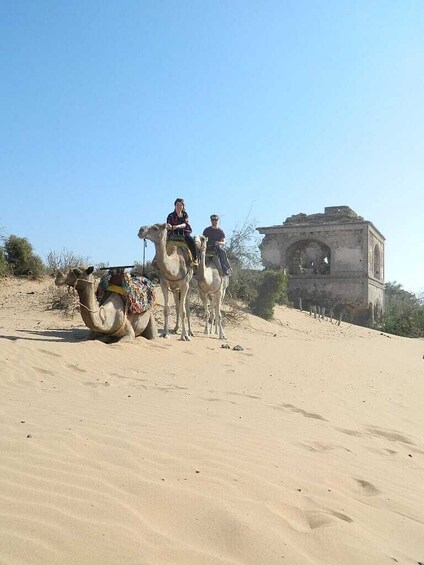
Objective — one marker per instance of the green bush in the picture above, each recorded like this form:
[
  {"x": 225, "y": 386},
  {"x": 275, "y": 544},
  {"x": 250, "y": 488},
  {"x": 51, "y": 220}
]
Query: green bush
[
  {"x": 244, "y": 283},
  {"x": 271, "y": 290},
  {"x": 404, "y": 312},
  {"x": 4, "y": 265},
  {"x": 21, "y": 259}
]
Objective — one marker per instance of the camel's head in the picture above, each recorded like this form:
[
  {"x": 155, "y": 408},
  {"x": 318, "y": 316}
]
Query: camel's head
[
  {"x": 201, "y": 242},
  {"x": 153, "y": 233},
  {"x": 72, "y": 277}
]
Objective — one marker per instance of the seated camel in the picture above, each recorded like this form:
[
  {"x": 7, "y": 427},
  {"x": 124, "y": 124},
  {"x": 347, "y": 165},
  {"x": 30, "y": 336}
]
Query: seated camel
[{"x": 112, "y": 319}]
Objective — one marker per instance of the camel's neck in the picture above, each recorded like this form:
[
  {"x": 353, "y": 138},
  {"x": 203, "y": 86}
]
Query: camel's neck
[
  {"x": 201, "y": 269},
  {"x": 91, "y": 313},
  {"x": 205, "y": 274},
  {"x": 169, "y": 265}
]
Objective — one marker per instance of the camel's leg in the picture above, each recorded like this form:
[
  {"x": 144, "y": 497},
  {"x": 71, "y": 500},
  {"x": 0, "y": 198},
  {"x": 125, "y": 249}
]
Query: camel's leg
[
  {"x": 205, "y": 301},
  {"x": 218, "y": 317},
  {"x": 177, "y": 299},
  {"x": 165, "y": 309},
  {"x": 129, "y": 333},
  {"x": 188, "y": 303},
  {"x": 183, "y": 298},
  {"x": 151, "y": 331}
]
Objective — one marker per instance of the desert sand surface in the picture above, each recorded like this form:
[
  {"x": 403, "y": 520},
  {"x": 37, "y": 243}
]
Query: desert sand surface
[{"x": 307, "y": 447}]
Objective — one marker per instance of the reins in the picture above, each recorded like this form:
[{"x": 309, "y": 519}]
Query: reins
[{"x": 114, "y": 332}]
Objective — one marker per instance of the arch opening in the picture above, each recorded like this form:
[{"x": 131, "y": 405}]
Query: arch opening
[{"x": 308, "y": 257}]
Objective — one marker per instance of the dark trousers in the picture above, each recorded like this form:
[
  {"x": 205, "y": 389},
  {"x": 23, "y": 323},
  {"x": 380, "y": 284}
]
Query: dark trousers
[
  {"x": 191, "y": 245},
  {"x": 222, "y": 256}
]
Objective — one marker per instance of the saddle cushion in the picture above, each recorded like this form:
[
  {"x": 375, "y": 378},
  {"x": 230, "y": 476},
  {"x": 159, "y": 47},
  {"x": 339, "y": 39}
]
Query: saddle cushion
[
  {"x": 138, "y": 290},
  {"x": 178, "y": 241}
]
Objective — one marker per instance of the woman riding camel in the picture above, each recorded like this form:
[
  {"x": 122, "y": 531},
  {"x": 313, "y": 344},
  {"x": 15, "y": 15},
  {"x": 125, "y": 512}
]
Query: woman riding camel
[{"x": 178, "y": 224}]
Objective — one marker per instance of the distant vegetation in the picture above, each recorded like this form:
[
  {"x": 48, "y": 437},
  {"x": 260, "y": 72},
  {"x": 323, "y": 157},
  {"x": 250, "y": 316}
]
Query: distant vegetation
[
  {"x": 404, "y": 312},
  {"x": 270, "y": 292},
  {"x": 259, "y": 289},
  {"x": 63, "y": 260},
  {"x": 18, "y": 258}
]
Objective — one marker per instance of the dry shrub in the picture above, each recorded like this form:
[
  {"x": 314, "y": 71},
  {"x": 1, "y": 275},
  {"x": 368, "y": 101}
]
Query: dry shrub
[
  {"x": 64, "y": 260},
  {"x": 232, "y": 311},
  {"x": 63, "y": 299}
]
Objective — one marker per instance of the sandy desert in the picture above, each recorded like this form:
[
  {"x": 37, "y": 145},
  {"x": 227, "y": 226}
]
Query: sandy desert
[{"x": 306, "y": 447}]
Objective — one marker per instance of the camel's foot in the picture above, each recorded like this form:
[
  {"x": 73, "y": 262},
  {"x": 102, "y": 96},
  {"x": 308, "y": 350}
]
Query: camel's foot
[
  {"x": 165, "y": 335},
  {"x": 126, "y": 339},
  {"x": 185, "y": 337}
]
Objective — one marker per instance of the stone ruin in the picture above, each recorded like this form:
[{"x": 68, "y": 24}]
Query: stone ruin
[{"x": 334, "y": 260}]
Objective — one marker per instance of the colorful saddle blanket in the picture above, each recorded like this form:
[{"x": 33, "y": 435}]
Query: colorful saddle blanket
[{"x": 138, "y": 290}]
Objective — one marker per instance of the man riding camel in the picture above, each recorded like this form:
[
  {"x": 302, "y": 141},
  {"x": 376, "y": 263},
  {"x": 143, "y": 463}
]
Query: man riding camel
[{"x": 216, "y": 241}]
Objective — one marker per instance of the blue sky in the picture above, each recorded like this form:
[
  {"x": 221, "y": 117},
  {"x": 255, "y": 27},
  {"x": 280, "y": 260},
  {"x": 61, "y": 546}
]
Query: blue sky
[{"x": 110, "y": 110}]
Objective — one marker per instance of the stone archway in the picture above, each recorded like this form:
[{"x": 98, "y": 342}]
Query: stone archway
[{"x": 308, "y": 257}]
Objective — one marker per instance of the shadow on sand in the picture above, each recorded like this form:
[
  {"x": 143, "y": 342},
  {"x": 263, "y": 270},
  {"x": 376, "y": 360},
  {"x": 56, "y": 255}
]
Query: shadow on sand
[{"x": 68, "y": 335}]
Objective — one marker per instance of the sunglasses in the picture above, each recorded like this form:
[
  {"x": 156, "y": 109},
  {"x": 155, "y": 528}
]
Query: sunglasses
[{"x": 214, "y": 219}]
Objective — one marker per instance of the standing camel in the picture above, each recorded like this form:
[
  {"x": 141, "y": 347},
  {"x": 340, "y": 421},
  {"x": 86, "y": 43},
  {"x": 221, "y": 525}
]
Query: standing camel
[
  {"x": 212, "y": 287},
  {"x": 175, "y": 276}
]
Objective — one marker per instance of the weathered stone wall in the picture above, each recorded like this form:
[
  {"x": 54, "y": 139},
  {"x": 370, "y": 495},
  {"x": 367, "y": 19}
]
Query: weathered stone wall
[{"x": 328, "y": 291}]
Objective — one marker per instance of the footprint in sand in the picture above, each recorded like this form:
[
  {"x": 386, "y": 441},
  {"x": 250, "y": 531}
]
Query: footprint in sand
[
  {"x": 47, "y": 352},
  {"x": 367, "y": 488},
  {"x": 341, "y": 516},
  {"x": 218, "y": 400},
  {"x": 298, "y": 411},
  {"x": 392, "y": 435},
  {"x": 319, "y": 519},
  {"x": 350, "y": 432},
  {"x": 43, "y": 371},
  {"x": 243, "y": 394},
  {"x": 76, "y": 368}
]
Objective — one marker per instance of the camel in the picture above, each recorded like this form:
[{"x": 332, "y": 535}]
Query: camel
[
  {"x": 175, "y": 276},
  {"x": 212, "y": 287},
  {"x": 112, "y": 318}
]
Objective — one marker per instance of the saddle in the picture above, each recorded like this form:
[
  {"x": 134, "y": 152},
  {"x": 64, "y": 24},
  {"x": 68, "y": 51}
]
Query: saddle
[
  {"x": 136, "y": 289},
  {"x": 179, "y": 241}
]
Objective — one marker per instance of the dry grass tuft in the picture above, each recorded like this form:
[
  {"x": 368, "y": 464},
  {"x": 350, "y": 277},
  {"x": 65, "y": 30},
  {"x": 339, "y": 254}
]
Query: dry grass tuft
[{"x": 64, "y": 299}]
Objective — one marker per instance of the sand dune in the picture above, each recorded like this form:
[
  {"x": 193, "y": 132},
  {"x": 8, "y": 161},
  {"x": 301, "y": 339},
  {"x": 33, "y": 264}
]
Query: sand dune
[{"x": 305, "y": 447}]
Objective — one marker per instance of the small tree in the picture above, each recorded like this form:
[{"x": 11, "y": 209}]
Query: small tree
[
  {"x": 404, "y": 312},
  {"x": 243, "y": 254},
  {"x": 21, "y": 259},
  {"x": 243, "y": 246},
  {"x": 4, "y": 265},
  {"x": 270, "y": 291}
]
